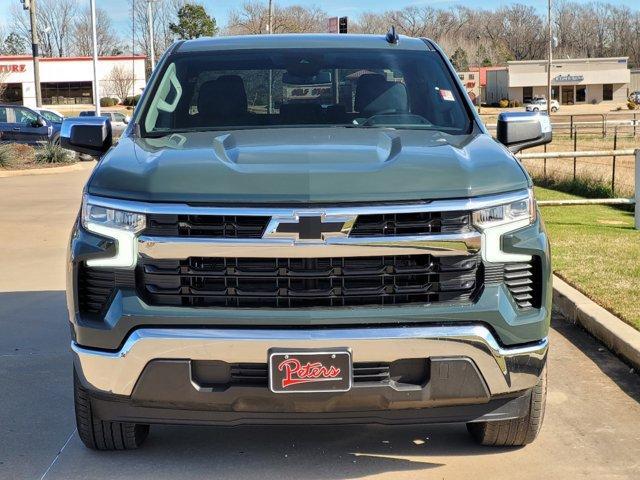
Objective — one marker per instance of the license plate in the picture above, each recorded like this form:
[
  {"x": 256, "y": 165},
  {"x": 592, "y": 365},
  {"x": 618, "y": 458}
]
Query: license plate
[{"x": 310, "y": 371}]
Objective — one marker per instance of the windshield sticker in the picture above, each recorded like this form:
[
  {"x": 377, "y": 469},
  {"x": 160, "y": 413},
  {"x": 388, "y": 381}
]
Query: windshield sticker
[{"x": 447, "y": 95}]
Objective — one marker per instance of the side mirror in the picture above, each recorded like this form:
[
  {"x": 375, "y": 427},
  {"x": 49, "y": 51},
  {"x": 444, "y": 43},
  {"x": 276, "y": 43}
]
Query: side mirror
[
  {"x": 89, "y": 135},
  {"x": 520, "y": 130},
  {"x": 40, "y": 122}
]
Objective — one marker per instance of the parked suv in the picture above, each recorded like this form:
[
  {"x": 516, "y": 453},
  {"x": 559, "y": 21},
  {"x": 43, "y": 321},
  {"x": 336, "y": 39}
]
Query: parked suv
[
  {"x": 539, "y": 104},
  {"x": 20, "y": 124},
  {"x": 308, "y": 229},
  {"x": 118, "y": 120}
]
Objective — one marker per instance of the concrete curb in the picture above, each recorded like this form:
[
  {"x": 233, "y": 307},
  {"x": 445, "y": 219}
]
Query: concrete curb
[
  {"x": 46, "y": 171},
  {"x": 619, "y": 337}
]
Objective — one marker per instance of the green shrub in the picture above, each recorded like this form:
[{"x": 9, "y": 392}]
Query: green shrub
[
  {"x": 131, "y": 101},
  {"x": 108, "y": 102},
  {"x": 631, "y": 105},
  {"x": 50, "y": 153},
  {"x": 6, "y": 155},
  {"x": 504, "y": 103}
]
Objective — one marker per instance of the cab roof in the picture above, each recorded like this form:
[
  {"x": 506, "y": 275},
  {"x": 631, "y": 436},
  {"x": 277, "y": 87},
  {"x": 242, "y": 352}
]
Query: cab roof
[{"x": 300, "y": 40}]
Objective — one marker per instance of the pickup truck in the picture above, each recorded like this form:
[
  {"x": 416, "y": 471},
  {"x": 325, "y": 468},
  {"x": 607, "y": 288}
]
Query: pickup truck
[
  {"x": 305, "y": 229},
  {"x": 20, "y": 124}
]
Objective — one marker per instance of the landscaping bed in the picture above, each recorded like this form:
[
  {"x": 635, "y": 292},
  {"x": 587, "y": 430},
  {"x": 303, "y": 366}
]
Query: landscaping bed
[
  {"x": 596, "y": 249},
  {"x": 15, "y": 156}
]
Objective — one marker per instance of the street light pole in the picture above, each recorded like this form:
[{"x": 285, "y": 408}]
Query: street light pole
[
  {"x": 31, "y": 6},
  {"x": 152, "y": 53},
  {"x": 549, "y": 58},
  {"x": 270, "y": 26},
  {"x": 96, "y": 92}
]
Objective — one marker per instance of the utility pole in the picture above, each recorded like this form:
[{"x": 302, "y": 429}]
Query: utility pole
[
  {"x": 96, "y": 89},
  {"x": 549, "y": 34},
  {"x": 31, "y": 6},
  {"x": 152, "y": 53}
]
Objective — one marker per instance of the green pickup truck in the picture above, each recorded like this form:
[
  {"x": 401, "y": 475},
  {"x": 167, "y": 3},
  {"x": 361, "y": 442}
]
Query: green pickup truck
[{"x": 308, "y": 229}]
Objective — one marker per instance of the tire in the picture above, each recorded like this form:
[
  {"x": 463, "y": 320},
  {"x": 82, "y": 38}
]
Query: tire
[
  {"x": 518, "y": 431},
  {"x": 55, "y": 140},
  {"x": 99, "y": 434},
  {"x": 536, "y": 109},
  {"x": 554, "y": 109}
]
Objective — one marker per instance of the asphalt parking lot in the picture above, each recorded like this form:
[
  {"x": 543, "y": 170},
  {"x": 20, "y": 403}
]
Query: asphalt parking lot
[{"x": 591, "y": 429}]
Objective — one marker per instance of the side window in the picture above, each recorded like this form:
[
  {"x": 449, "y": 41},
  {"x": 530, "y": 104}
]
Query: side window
[
  {"x": 25, "y": 116},
  {"x": 4, "y": 114},
  {"x": 118, "y": 117}
]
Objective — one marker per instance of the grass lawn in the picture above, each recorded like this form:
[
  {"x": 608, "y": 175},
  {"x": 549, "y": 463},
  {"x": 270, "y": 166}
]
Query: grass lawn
[{"x": 596, "y": 249}]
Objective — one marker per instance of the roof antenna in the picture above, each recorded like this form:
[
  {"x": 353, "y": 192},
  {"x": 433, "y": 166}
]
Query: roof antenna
[{"x": 392, "y": 36}]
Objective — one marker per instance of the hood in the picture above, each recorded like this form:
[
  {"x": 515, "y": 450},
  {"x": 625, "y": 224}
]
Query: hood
[{"x": 303, "y": 165}]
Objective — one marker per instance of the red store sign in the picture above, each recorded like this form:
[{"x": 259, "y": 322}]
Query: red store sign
[{"x": 18, "y": 68}]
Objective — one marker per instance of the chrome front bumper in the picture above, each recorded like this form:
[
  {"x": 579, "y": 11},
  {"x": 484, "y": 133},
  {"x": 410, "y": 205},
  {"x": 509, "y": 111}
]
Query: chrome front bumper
[{"x": 505, "y": 370}]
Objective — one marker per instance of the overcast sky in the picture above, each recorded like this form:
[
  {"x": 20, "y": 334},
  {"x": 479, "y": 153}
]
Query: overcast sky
[{"x": 120, "y": 13}]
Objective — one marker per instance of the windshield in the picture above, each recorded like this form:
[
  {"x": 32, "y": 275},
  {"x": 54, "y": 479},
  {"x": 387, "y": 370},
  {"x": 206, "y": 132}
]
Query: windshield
[
  {"x": 52, "y": 117},
  {"x": 290, "y": 88}
]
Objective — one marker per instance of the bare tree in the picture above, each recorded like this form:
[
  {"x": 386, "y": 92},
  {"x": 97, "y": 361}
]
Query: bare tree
[
  {"x": 55, "y": 25},
  {"x": 165, "y": 12},
  {"x": 108, "y": 41},
  {"x": 120, "y": 81},
  {"x": 252, "y": 17}
]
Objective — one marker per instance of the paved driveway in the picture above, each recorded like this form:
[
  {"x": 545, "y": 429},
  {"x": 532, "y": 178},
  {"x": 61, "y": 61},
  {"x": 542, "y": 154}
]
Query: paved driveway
[{"x": 592, "y": 429}]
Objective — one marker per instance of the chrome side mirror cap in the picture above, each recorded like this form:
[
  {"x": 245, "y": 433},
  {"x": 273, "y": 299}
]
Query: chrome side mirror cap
[
  {"x": 520, "y": 130},
  {"x": 89, "y": 135}
]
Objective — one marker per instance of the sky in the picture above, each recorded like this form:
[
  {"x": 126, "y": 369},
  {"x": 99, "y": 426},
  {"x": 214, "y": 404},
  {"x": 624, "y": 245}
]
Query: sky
[{"x": 120, "y": 13}]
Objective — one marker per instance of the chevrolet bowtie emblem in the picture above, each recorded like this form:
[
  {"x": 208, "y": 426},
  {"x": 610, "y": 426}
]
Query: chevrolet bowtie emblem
[{"x": 309, "y": 227}]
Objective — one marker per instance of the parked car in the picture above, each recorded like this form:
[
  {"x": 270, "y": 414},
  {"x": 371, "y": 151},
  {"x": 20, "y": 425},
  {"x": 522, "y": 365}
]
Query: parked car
[
  {"x": 118, "y": 120},
  {"x": 52, "y": 116},
  {"x": 635, "y": 97},
  {"x": 23, "y": 125},
  {"x": 539, "y": 104},
  {"x": 353, "y": 251}
]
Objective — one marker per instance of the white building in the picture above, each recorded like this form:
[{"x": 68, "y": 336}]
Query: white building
[
  {"x": 68, "y": 80},
  {"x": 574, "y": 81}
]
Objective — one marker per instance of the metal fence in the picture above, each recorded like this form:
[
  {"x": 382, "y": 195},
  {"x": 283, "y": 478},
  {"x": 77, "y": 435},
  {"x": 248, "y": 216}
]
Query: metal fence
[{"x": 635, "y": 200}]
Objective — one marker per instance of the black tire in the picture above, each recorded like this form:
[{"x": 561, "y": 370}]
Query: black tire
[
  {"x": 98, "y": 434},
  {"x": 55, "y": 140},
  {"x": 554, "y": 109},
  {"x": 516, "y": 432}
]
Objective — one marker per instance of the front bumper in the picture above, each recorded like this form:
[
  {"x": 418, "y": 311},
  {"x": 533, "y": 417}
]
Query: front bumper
[{"x": 153, "y": 371}]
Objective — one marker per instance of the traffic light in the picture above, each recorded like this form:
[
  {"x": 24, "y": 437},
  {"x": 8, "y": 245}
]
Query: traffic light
[
  {"x": 342, "y": 28},
  {"x": 26, "y": 4}
]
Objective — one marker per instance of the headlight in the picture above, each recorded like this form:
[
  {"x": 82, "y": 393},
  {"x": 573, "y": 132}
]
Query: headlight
[
  {"x": 524, "y": 209},
  {"x": 120, "y": 225},
  {"x": 111, "y": 218}
]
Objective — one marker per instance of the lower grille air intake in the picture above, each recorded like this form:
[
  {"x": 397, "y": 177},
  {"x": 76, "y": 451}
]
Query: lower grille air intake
[
  {"x": 523, "y": 282},
  {"x": 95, "y": 287}
]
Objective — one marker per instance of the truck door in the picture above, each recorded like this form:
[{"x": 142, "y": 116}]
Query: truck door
[{"x": 30, "y": 130}]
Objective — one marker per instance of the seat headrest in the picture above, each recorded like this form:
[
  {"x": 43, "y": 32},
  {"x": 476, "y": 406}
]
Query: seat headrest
[
  {"x": 223, "y": 97},
  {"x": 375, "y": 94}
]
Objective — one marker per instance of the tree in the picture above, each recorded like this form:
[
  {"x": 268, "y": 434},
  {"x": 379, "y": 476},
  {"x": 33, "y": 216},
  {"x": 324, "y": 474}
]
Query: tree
[
  {"x": 108, "y": 41},
  {"x": 54, "y": 25},
  {"x": 459, "y": 60},
  {"x": 120, "y": 81},
  {"x": 252, "y": 19},
  {"x": 193, "y": 22},
  {"x": 13, "y": 44}
]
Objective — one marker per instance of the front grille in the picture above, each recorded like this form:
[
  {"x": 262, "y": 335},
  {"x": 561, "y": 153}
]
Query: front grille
[
  {"x": 315, "y": 282},
  {"x": 418, "y": 223},
  {"x": 95, "y": 287},
  {"x": 524, "y": 283},
  {"x": 213, "y": 226}
]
